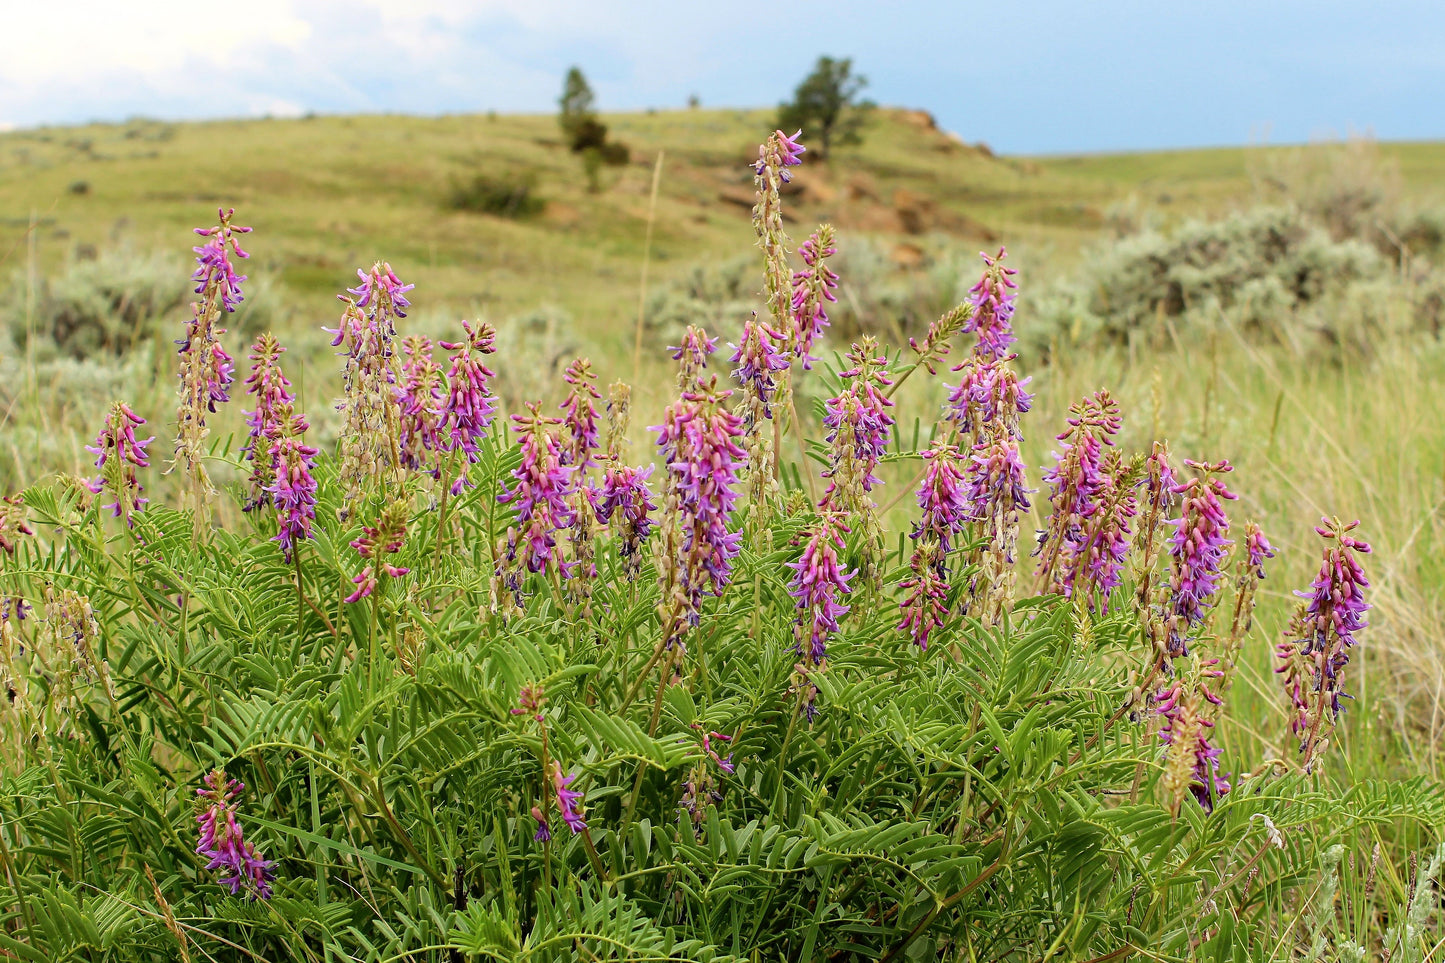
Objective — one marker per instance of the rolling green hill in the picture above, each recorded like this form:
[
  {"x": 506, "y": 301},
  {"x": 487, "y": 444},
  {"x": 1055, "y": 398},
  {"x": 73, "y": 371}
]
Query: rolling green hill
[{"x": 329, "y": 194}]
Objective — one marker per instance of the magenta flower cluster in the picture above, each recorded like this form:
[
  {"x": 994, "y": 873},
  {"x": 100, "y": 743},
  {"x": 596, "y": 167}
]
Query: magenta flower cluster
[
  {"x": 215, "y": 273},
  {"x": 222, "y": 843},
  {"x": 381, "y": 290},
  {"x": 272, "y": 415},
  {"x": 118, "y": 447},
  {"x": 1335, "y": 610},
  {"x": 781, "y": 152},
  {"x": 470, "y": 404},
  {"x": 944, "y": 497},
  {"x": 698, "y": 440},
  {"x": 1205, "y": 782},
  {"x": 419, "y": 396},
  {"x": 624, "y": 495},
  {"x": 568, "y": 799},
  {"x": 540, "y": 497},
  {"x": 993, "y": 307},
  {"x": 859, "y": 417},
  {"x": 1198, "y": 551},
  {"x": 758, "y": 358},
  {"x": 813, "y": 287},
  {"x": 818, "y": 583},
  {"x": 294, "y": 492},
  {"x": 1077, "y": 481},
  {"x": 579, "y": 416}
]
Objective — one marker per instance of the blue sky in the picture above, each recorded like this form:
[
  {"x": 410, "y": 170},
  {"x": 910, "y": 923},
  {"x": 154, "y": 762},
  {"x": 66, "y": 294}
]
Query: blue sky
[{"x": 1028, "y": 77}]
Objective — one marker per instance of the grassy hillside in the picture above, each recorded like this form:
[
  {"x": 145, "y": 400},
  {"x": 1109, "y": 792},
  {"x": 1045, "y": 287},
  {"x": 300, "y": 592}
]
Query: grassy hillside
[{"x": 329, "y": 194}]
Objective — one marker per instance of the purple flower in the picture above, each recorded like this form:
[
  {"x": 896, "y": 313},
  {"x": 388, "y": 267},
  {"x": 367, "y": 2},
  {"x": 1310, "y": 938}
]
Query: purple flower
[
  {"x": 997, "y": 491},
  {"x": 859, "y": 428},
  {"x": 693, "y": 353},
  {"x": 812, "y": 288},
  {"x": 294, "y": 491},
  {"x": 725, "y": 763},
  {"x": 1159, "y": 481},
  {"x": 1198, "y": 550},
  {"x": 926, "y": 606},
  {"x": 419, "y": 396},
  {"x": 1076, "y": 481},
  {"x": 778, "y": 153},
  {"x": 215, "y": 276},
  {"x": 272, "y": 390},
  {"x": 623, "y": 500},
  {"x": 1107, "y": 534},
  {"x": 990, "y": 395},
  {"x": 1257, "y": 548},
  {"x": 118, "y": 448},
  {"x": 993, "y": 307},
  {"x": 1191, "y": 762},
  {"x": 698, "y": 440},
  {"x": 381, "y": 284},
  {"x": 568, "y": 800},
  {"x": 386, "y": 537},
  {"x": 222, "y": 842},
  {"x": 818, "y": 582},
  {"x": 470, "y": 405},
  {"x": 544, "y": 832},
  {"x": 580, "y": 416},
  {"x": 943, "y": 496},
  {"x": 1334, "y": 611},
  {"x": 540, "y": 497},
  {"x": 757, "y": 358}
]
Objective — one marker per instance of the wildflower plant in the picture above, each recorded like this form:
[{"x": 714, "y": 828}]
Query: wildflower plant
[
  {"x": 206, "y": 369},
  {"x": 267, "y": 744}
]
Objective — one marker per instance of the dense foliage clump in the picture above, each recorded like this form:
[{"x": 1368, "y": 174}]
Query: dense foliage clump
[{"x": 484, "y": 687}]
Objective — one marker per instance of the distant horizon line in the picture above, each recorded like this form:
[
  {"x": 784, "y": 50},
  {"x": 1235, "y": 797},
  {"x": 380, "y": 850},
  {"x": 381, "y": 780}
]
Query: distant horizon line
[{"x": 1331, "y": 138}]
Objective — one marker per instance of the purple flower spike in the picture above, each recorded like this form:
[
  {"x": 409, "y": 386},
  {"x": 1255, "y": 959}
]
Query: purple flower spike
[
  {"x": 943, "y": 496},
  {"x": 118, "y": 454},
  {"x": 273, "y": 412},
  {"x": 1258, "y": 548},
  {"x": 624, "y": 501},
  {"x": 997, "y": 490},
  {"x": 222, "y": 842},
  {"x": 540, "y": 497},
  {"x": 859, "y": 429},
  {"x": 993, "y": 307},
  {"x": 419, "y": 396},
  {"x": 568, "y": 800},
  {"x": 215, "y": 276},
  {"x": 1198, "y": 551},
  {"x": 758, "y": 359},
  {"x": 698, "y": 440},
  {"x": 580, "y": 416},
  {"x": 294, "y": 492},
  {"x": 818, "y": 582},
  {"x": 780, "y": 152},
  {"x": 385, "y": 538},
  {"x": 382, "y": 285},
  {"x": 990, "y": 395},
  {"x": 470, "y": 404},
  {"x": 1107, "y": 534},
  {"x": 812, "y": 288},
  {"x": 1317, "y": 649},
  {"x": 926, "y": 606},
  {"x": 1191, "y": 761},
  {"x": 693, "y": 353},
  {"x": 1076, "y": 482}
]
